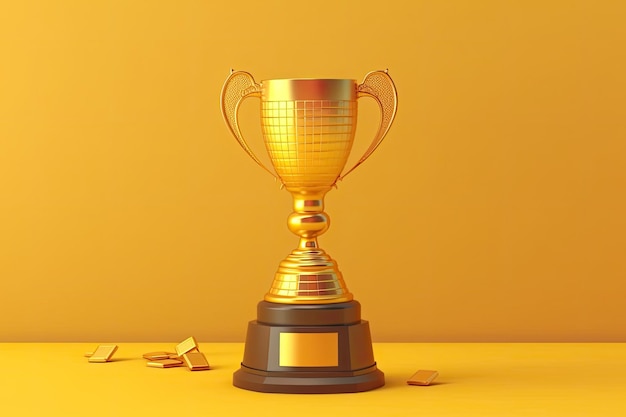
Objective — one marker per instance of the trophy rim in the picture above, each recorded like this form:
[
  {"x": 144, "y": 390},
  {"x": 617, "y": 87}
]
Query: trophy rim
[
  {"x": 289, "y": 89},
  {"x": 310, "y": 79}
]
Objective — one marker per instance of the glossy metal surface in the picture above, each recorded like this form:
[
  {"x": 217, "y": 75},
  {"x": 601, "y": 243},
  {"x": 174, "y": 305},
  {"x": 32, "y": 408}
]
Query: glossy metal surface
[
  {"x": 308, "y": 349},
  {"x": 307, "y": 89},
  {"x": 308, "y": 129}
]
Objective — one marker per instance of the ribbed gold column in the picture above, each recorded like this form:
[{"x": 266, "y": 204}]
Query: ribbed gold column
[{"x": 308, "y": 275}]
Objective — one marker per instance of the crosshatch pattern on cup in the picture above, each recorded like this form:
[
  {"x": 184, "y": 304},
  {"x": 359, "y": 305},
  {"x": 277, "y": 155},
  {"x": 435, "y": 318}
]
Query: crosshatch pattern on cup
[
  {"x": 309, "y": 141},
  {"x": 308, "y": 285}
]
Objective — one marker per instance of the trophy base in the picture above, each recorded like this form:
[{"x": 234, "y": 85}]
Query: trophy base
[{"x": 308, "y": 348}]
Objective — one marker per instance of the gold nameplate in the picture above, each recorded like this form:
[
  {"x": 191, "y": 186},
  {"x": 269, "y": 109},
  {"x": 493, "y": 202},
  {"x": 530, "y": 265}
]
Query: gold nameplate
[{"x": 309, "y": 349}]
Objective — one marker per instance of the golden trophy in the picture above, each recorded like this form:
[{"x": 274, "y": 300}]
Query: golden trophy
[{"x": 308, "y": 336}]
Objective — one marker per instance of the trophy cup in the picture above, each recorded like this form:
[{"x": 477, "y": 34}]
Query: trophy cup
[{"x": 308, "y": 336}]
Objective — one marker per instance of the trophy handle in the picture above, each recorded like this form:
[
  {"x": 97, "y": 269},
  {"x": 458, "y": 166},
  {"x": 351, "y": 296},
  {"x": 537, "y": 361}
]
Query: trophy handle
[
  {"x": 379, "y": 86},
  {"x": 239, "y": 86}
]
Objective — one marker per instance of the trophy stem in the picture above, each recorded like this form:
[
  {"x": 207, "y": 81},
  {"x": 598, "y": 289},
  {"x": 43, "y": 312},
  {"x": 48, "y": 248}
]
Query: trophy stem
[
  {"x": 308, "y": 275},
  {"x": 308, "y": 243}
]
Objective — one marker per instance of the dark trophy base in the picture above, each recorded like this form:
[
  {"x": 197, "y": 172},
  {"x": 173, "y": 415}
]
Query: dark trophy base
[{"x": 308, "y": 349}]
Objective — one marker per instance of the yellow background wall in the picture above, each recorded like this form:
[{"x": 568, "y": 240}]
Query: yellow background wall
[{"x": 494, "y": 211}]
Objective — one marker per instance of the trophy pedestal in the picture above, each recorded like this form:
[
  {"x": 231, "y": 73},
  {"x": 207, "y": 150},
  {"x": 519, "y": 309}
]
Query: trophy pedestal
[{"x": 308, "y": 348}]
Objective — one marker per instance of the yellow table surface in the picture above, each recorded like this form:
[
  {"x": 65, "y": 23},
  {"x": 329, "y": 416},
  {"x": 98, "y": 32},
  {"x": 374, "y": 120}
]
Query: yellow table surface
[{"x": 477, "y": 379}]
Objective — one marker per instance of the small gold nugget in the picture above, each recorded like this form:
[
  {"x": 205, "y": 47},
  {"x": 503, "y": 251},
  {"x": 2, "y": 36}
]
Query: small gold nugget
[
  {"x": 186, "y": 345},
  {"x": 103, "y": 353},
  {"x": 88, "y": 354},
  {"x": 422, "y": 377},
  {"x": 156, "y": 356},
  {"x": 165, "y": 363},
  {"x": 196, "y": 361}
]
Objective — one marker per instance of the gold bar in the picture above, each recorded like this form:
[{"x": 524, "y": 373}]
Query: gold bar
[
  {"x": 103, "y": 353},
  {"x": 422, "y": 377},
  {"x": 196, "y": 361},
  {"x": 156, "y": 356},
  {"x": 308, "y": 349},
  {"x": 164, "y": 363},
  {"x": 186, "y": 345},
  {"x": 88, "y": 354}
]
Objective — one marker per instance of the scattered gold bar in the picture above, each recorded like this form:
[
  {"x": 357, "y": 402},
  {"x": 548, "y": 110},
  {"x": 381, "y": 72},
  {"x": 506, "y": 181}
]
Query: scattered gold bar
[
  {"x": 422, "y": 377},
  {"x": 88, "y": 354},
  {"x": 165, "y": 363},
  {"x": 196, "y": 361},
  {"x": 155, "y": 356},
  {"x": 103, "y": 353},
  {"x": 186, "y": 345}
]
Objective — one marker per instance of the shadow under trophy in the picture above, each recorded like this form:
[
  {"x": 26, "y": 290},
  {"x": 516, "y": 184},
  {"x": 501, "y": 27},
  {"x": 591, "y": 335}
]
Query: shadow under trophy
[{"x": 308, "y": 336}]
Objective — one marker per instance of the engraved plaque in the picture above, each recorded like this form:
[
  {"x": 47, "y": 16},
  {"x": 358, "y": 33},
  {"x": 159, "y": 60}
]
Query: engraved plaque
[{"x": 309, "y": 349}]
